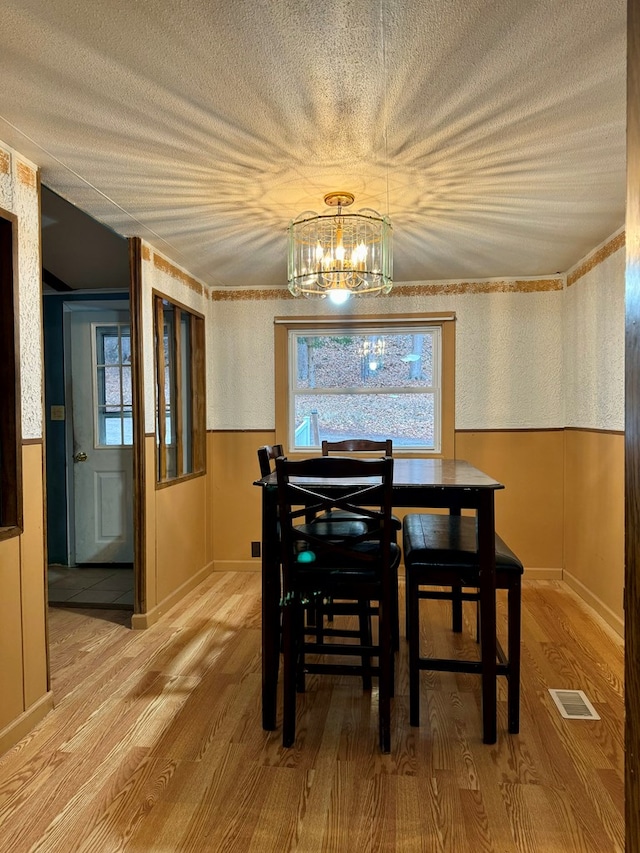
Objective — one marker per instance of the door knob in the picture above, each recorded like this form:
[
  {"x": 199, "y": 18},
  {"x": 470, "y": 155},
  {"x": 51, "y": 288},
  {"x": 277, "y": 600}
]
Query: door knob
[{"x": 80, "y": 456}]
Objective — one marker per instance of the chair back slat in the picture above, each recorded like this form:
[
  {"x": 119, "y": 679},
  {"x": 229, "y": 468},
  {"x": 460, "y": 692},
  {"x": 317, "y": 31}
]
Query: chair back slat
[
  {"x": 359, "y": 485},
  {"x": 266, "y": 455},
  {"x": 358, "y": 445}
]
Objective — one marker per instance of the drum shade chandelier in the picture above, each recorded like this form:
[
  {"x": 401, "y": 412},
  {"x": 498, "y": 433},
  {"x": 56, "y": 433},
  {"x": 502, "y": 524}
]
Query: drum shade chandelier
[{"x": 339, "y": 254}]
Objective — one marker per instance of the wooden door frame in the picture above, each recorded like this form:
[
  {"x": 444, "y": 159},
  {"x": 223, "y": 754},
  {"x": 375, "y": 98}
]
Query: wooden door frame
[
  {"x": 139, "y": 449},
  {"x": 632, "y": 437}
]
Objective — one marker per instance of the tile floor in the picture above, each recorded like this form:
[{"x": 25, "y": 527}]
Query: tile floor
[{"x": 107, "y": 586}]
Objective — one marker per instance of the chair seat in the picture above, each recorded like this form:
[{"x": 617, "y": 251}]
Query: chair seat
[
  {"x": 332, "y": 528},
  {"x": 330, "y": 571},
  {"x": 344, "y": 515},
  {"x": 446, "y": 540}
]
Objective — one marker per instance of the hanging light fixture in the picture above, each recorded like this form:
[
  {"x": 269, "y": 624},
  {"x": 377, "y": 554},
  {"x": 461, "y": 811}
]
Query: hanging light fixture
[{"x": 337, "y": 254}]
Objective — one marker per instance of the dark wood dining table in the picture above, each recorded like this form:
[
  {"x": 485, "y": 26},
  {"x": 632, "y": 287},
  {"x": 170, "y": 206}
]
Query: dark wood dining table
[{"x": 424, "y": 483}]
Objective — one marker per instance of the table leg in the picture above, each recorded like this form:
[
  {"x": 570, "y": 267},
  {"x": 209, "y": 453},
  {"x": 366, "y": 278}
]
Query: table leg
[
  {"x": 456, "y": 593},
  {"x": 487, "y": 558},
  {"x": 270, "y": 607}
]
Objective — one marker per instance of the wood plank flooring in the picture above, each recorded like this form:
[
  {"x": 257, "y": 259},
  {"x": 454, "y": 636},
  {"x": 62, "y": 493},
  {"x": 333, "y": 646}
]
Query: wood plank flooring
[{"x": 155, "y": 743}]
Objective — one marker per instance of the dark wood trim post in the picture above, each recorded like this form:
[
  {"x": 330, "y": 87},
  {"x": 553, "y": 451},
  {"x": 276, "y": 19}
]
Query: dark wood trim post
[
  {"x": 632, "y": 437},
  {"x": 139, "y": 447}
]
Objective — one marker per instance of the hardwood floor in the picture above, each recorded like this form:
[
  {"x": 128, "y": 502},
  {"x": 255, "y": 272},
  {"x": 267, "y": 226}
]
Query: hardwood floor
[{"x": 156, "y": 745}]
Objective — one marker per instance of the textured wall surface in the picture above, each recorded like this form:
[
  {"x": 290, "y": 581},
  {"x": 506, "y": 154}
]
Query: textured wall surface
[
  {"x": 24, "y": 696},
  {"x": 594, "y": 346},
  {"x": 508, "y": 354},
  {"x": 19, "y": 195}
]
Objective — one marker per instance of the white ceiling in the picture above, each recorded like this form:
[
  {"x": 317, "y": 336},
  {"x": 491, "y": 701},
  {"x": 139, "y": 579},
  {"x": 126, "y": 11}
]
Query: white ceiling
[{"x": 492, "y": 133}]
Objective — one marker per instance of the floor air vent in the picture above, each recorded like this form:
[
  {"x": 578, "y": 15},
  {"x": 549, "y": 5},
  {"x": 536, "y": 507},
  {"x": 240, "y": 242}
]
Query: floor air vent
[{"x": 574, "y": 705}]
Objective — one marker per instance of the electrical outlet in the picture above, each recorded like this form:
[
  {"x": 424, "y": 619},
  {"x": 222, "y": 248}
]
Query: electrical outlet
[{"x": 255, "y": 549}]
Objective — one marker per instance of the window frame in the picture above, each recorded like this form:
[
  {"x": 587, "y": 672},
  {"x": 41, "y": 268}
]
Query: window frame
[
  {"x": 374, "y": 324},
  {"x": 11, "y": 489},
  {"x": 195, "y": 405}
]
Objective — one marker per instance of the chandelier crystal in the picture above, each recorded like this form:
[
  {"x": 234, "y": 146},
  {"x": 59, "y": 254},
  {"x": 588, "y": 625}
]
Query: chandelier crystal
[{"x": 339, "y": 254}]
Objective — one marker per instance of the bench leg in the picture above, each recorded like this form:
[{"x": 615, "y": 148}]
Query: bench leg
[
  {"x": 456, "y": 608},
  {"x": 364, "y": 618},
  {"x": 413, "y": 617},
  {"x": 514, "y": 604}
]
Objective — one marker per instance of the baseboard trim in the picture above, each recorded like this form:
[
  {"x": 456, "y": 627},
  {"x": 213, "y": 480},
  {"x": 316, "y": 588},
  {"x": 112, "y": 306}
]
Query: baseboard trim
[
  {"x": 22, "y": 725},
  {"x": 550, "y": 574},
  {"x": 140, "y": 621},
  {"x": 603, "y": 610},
  {"x": 254, "y": 565}
]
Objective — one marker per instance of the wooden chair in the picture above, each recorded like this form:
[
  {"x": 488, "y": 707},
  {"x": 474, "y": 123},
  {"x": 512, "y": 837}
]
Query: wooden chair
[
  {"x": 315, "y": 614},
  {"x": 360, "y": 445},
  {"x": 365, "y": 445},
  {"x": 441, "y": 551},
  {"x": 266, "y": 455},
  {"x": 339, "y": 566}
]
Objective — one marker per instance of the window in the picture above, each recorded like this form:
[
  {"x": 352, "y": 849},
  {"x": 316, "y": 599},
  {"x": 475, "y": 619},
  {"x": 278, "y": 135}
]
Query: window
[
  {"x": 180, "y": 367},
  {"x": 372, "y": 378},
  {"x": 10, "y": 432},
  {"x": 112, "y": 360}
]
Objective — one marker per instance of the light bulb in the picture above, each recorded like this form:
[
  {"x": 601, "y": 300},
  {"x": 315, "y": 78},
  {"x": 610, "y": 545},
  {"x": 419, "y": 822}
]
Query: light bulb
[{"x": 339, "y": 296}]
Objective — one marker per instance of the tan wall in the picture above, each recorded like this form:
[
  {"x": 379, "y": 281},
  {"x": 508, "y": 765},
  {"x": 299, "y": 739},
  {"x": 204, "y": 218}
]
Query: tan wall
[
  {"x": 180, "y": 534},
  {"x": 236, "y": 501},
  {"x": 528, "y": 512},
  {"x": 594, "y": 520},
  {"x": 24, "y": 695},
  {"x": 12, "y": 669},
  {"x": 178, "y": 540},
  {"x": 561, "y": 510},
  {"x": 24, "y": 690}
]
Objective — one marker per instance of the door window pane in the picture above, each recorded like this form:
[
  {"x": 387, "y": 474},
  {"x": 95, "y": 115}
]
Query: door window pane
[{"x": 113, "y": 396}]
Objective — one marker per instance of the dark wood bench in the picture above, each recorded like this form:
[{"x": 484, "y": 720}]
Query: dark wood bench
[{"x": 441, "y": 551}]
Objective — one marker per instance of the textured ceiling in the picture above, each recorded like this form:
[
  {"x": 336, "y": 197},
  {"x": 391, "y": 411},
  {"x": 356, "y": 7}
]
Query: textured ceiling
[{"x": 492, "y": 133}]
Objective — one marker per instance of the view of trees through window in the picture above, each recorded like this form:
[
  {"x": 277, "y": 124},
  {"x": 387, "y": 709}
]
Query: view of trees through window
[
  {"x": 113, "y": 384},
  {"x": 373, "y": 384}
]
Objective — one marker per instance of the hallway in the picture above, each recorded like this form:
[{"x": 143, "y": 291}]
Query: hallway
[{"x": 107, "y": 586}]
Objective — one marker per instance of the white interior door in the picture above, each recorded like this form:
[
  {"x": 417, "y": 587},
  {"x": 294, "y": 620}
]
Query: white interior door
[{"x": 102, "y": 466}]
